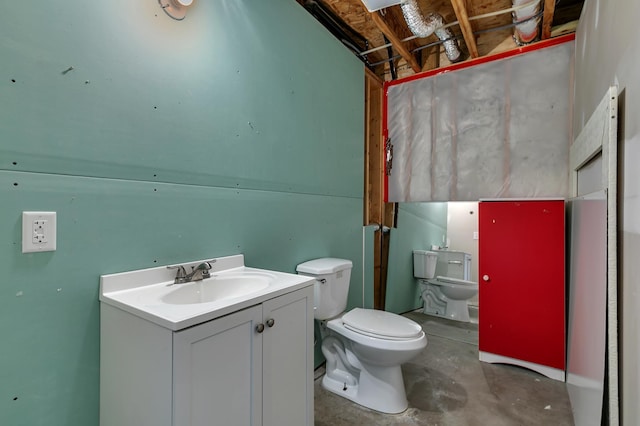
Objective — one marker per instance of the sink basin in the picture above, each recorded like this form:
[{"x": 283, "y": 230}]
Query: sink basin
[
  {"x": 221, "y": 287},
  {"x": 151, "y": 294}
]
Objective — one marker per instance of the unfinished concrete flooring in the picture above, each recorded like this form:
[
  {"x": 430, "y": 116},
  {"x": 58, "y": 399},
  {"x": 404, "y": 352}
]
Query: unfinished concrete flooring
[{"x": 448, "y": 386}]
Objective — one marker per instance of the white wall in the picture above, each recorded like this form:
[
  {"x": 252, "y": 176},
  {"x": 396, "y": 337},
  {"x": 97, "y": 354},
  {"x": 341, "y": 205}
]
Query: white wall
[
  {"x": 608, "y": 52},
  {"x": 462, "y": 223}
]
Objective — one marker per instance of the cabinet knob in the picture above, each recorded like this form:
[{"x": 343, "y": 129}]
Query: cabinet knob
[
  {"x": 485, "y": 278},
  {"x": 260, "y": 328},
  {"x": 270, "y": 322}
]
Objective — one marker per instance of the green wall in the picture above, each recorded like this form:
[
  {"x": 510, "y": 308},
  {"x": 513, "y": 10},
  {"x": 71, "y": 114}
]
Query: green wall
[
  {"x": 420, "y": 225},
  {"x": 237, "y": 130}
]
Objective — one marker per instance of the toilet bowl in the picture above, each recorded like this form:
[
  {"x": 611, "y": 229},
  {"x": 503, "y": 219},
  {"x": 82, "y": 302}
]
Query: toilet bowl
[
  {"x": 364, "y": 348},
  {"x": 456, "y": 289},
  {"x": 447, "y": 297},
  {"x": 364, "y": 366},
  {"x": 444, "y": 296}
]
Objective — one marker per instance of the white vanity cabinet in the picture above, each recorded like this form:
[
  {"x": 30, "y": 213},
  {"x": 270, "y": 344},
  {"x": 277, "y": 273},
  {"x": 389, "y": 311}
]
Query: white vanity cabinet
[
  {"x": 253, "y": 367},
  {"x": 249, "y": 367}
]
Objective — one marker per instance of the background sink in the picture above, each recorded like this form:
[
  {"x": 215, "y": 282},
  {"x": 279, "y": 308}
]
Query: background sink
[{"x": 223, "y": 286}]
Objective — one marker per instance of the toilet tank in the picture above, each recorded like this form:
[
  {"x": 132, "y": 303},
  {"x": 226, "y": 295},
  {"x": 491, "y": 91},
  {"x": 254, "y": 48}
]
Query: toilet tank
[
  {"x": 454, "y": 264},
  {"x": 331, "y": 288},
  {"x": 424, "y": 263}
]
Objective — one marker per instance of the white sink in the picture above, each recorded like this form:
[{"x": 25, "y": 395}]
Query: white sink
[
  {"x": 152, "y": 295},
  {"x": 219, "y": 287}
]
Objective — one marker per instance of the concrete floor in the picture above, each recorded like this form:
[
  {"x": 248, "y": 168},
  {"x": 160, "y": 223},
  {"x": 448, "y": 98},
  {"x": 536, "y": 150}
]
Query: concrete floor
[{"x": 448, "y": 386}]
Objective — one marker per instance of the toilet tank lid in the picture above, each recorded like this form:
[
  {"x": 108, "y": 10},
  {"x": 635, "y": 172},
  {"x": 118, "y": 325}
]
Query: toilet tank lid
[
  {"x": 427, "y": 252},
  {"x": 325, "y": 265},
  {"x": 382, "y": 323}
]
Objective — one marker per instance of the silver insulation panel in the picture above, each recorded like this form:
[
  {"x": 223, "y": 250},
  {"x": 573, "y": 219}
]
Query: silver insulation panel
[{"x": 495, "y": 130}]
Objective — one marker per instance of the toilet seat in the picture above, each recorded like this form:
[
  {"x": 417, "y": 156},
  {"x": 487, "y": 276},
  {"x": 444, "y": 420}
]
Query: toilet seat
[
  {"x": 381, "y": 324},
  {"x": 376, "y": 341},
  {"x": 451, "y": 280}
]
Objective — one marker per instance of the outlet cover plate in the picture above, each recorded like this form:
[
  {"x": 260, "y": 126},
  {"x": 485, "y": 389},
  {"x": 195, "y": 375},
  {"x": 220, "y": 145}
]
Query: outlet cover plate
[{"x": 38, "y": 231}]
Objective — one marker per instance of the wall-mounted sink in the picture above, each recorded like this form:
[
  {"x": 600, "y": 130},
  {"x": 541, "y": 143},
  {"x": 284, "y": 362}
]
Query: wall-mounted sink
[
  {"x": 219, "y": 287},
  {"x": 151, "y": 293}
]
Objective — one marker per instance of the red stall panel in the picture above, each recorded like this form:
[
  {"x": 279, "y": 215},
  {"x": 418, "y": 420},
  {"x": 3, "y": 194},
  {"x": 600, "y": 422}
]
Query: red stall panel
[{"x": 522, "y": 284}]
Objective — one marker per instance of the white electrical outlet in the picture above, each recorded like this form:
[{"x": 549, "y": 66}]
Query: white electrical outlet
[{"x": 38, "y": 231}]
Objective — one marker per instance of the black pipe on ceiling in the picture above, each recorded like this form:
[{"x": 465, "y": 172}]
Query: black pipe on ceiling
[
  {"x": 336, "y": 26},
  {"x": 392, "y": 64}
]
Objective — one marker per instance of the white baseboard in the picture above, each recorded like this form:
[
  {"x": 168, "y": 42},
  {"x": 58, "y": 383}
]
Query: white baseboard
[{"x": 552, "y": 373}]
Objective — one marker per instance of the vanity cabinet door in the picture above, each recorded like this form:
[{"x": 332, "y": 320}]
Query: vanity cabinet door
[
  {"x": 288, "y": 359},
  {"x": 217, "y": 372}
]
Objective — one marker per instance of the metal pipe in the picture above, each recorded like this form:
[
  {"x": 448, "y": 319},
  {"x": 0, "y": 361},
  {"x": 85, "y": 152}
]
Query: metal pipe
[
  {"x": 488, "y": 30},
  {"x": 424, "y": 26},
  {"x": 451, "y": 24},
  {"x": 527, "y": 31}
]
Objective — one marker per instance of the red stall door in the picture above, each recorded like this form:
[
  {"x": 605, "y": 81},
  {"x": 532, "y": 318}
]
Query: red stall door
[{"x": 522, "y": 284}]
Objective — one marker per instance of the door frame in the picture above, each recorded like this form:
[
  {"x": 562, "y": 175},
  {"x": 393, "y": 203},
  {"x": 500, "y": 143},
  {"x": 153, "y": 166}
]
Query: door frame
[
  {"x": 376, "y": 211},
  {"x": 600, "y": 136}
]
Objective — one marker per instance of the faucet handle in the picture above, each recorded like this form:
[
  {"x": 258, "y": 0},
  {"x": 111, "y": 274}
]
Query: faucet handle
[
  {"x": 181, "y": 273},
  {"x": 199, "y": 272},
  {"x": 205, "y": 267}
]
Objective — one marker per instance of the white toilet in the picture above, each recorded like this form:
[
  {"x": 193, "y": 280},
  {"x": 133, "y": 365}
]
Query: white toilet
[
  {"x": 444, "y": 296},
  {"x": 364, "y": 348}
]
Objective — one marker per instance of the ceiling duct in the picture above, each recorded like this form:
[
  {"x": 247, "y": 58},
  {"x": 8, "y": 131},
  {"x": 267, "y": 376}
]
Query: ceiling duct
[
  {"x": 423, "y": 26},
  {"x": 526, "y": 31}
]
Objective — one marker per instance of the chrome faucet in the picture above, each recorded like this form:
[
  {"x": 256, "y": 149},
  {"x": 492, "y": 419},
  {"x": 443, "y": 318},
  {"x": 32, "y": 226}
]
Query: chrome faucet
[{"x": 198, "y": 273}]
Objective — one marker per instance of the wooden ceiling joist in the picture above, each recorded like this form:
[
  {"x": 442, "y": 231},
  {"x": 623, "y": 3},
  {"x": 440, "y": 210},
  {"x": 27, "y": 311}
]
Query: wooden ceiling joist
[
  {"x": 547, "y": 18},
  {"x": 460, "y": 10},
  {"x": 396, "y": 41},
  {"x": 483, "y": 27}
]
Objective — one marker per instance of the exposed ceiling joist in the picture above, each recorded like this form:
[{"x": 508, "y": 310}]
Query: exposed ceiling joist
[
  {"x": 460, "y": 9},
  {"x": 547, "y": 18},
  {"x": 483, "y": 26},
  {"x": 396, "y": 41}
]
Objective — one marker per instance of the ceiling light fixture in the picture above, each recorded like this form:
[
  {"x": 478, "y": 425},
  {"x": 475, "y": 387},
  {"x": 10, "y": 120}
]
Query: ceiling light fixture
[
  {"x": 373, "y": 5},
  {"x": 177, "y": 9}
]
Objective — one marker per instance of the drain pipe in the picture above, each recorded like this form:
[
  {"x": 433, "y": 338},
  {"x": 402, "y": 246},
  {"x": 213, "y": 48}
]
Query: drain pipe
[
  {"x": 423, "y": 26},
  {"x": 527, "y": 31}
]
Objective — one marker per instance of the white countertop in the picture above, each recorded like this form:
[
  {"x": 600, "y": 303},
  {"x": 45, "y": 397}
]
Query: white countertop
[{"x": 141, "y": 293}]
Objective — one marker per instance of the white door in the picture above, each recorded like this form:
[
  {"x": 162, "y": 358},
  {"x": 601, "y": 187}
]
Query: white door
[{"x": 217, "y": 372}]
